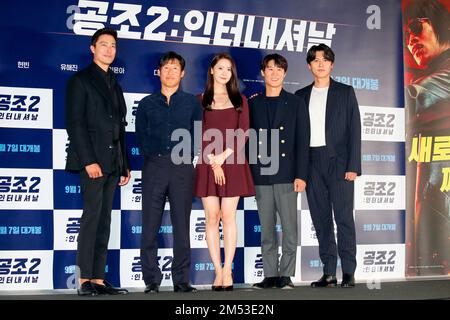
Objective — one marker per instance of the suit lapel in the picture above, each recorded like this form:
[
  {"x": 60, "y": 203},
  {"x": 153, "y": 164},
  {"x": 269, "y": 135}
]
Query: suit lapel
[
  {"x": 308, "y": 95},
  {"x": 100, "y": 85},
  {"x": 330, "y": 109},
  {"x": 281, "y": 109},
  {"x": 122, "y": 104},
  {"x": 263, "y": 114}
]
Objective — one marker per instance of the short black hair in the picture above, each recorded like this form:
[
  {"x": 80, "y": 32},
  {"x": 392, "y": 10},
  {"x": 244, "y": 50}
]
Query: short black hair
[
  {"x": 279, "y": 61},
  {"x": 102, "y": 31},
  {"x": 435, "y": 12},
  {"x": 327, "y": 53},
  {"x": 169, "y": 56}
]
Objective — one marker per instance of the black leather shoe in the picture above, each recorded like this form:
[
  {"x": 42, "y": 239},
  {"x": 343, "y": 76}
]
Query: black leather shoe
[
  {"x": 268, "y": 282},
  {"x": 348, "y": 281},
  {"x": 152, "y": 288},
  {"x": 184, "y": 287},
  {"x": 87, "y": 289},
  {"x": 107, "y": 288},
  {"x": 216, "y": 288},
  {"x": 230, "y": 287},
  {"x": 325, "y": 281},
  {"x": 285, "y": 283}
]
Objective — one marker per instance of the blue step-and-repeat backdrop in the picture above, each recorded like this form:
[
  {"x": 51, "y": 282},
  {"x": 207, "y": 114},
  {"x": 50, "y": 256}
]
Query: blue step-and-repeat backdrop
[{"x": 44, "y": 42}]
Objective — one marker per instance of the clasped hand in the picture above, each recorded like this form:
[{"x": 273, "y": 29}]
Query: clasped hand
[{"x": 216, "y": 163}]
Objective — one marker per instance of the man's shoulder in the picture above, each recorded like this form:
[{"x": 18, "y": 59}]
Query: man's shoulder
[
  {"x": 303, "y": 91},
  {"x": 81, "y": 75},
  {"x": 290, "y": 95},
  {"x": 148, "y": 99},
  {"x": 341, "y": 86},
  {"x": 256, "y": 98},
  {"x": 187, "y": 95}
]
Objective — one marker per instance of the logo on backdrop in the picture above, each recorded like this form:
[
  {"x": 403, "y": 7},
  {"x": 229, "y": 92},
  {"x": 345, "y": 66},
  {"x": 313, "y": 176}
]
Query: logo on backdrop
[
  {"x": 157, "y": 23},
  {"x": 382, "y": 124},
  {"x": 380, "y": 192},
  {"x": 26, "y": 107},
  {"x": 25, "y": 189},
  {"x": 198, "y": 229},
  {"x": 23, "y": 270},
  {"x": 131, "y": 268},
  {"x": 67, "y": 229},
  {"x": 380, "y": 261},
  {"x": 308, "y": 232}
]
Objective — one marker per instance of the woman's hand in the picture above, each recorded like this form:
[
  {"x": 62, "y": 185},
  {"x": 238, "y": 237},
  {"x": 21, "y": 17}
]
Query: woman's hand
[
  {"x": 216, "y": 161},
  {"x": 219, "y": 176}
]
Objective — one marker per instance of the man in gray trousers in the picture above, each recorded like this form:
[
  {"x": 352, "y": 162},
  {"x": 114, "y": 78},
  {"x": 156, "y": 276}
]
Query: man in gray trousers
[{"x": 281, "y": 122}]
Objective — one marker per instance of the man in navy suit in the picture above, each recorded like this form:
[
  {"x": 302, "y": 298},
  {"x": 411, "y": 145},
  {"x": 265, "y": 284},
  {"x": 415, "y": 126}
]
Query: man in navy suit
[
  {"x": 335, "y": 161},
  {"x": 280, "y": 117}
]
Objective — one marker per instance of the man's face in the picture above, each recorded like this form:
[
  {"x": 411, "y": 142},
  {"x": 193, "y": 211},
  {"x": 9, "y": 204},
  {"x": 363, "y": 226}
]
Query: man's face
[
  {"x": 320, "y": 67},
  {"x": 171, "y": 74},
  {"x": 422, "y": 41},
  {"x": 104, "y": 50},
  {"x": 273, "y": 75}
]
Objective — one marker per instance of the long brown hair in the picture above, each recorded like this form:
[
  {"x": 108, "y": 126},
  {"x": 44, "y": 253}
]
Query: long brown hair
[{"x": 232, "y": 84}]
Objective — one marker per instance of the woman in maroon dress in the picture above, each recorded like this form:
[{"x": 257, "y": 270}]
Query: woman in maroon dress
[{"x": 223, "y": 174}]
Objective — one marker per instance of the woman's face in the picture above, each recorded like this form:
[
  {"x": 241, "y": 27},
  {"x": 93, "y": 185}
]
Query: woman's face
[
  {"x": 422, "y": 41},
  {"x": 221, "y": 72}
]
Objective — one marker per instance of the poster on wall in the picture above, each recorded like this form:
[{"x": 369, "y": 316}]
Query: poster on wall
[{"x": 426, "y": 25}]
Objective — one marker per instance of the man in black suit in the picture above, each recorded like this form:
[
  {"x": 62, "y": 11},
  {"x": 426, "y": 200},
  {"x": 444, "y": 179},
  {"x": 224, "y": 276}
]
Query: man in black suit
[
  {"x": 95, "y": 121},
  {"x": 282, "y": 118},
  {"x": 335, "y": 161}
]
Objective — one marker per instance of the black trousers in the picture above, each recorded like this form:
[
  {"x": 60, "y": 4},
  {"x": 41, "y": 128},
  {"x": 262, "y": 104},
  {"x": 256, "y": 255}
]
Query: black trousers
[
  {"x": 160, "y": 179},
  {"x": 326, "y": 194},
  {"x": 98, "y": 195}
]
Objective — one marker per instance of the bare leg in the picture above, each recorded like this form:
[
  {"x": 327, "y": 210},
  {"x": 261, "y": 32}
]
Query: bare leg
[
  {"x": 211, "y": 205},
  {"x": 228, "y": 209}
]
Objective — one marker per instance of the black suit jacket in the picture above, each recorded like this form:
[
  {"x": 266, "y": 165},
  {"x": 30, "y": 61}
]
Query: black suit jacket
[
  {"x": 342, "y": 126},
  {"x": 89, "y": 122},
  {"x": 292, "y": 121}
]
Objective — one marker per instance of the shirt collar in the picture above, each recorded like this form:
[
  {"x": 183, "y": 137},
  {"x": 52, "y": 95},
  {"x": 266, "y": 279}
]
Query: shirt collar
[
  {"x": 160, "y": 95},
  {"x": 107, "y": 76}
]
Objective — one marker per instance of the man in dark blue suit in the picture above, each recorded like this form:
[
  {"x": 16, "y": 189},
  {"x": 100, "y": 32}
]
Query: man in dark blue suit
[
  {"x": 335, "y": 161},
  {"x": 281, "y": 124}
]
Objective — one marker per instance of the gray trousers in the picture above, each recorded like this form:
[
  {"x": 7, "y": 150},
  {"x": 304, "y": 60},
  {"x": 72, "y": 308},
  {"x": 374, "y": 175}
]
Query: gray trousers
[{"x": 271, "y": 199}]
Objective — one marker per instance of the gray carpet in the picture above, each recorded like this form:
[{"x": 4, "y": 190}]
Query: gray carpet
[{"x": 403, "y": 290}]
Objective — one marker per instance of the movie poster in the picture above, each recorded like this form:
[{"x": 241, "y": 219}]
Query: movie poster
[{"x": 426, "y": 26}]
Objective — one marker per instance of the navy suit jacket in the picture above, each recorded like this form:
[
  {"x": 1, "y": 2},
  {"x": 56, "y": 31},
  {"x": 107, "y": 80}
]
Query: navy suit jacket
[
  {"x": 342, "y": 126},
  {"x": 292, "y": 121}
]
